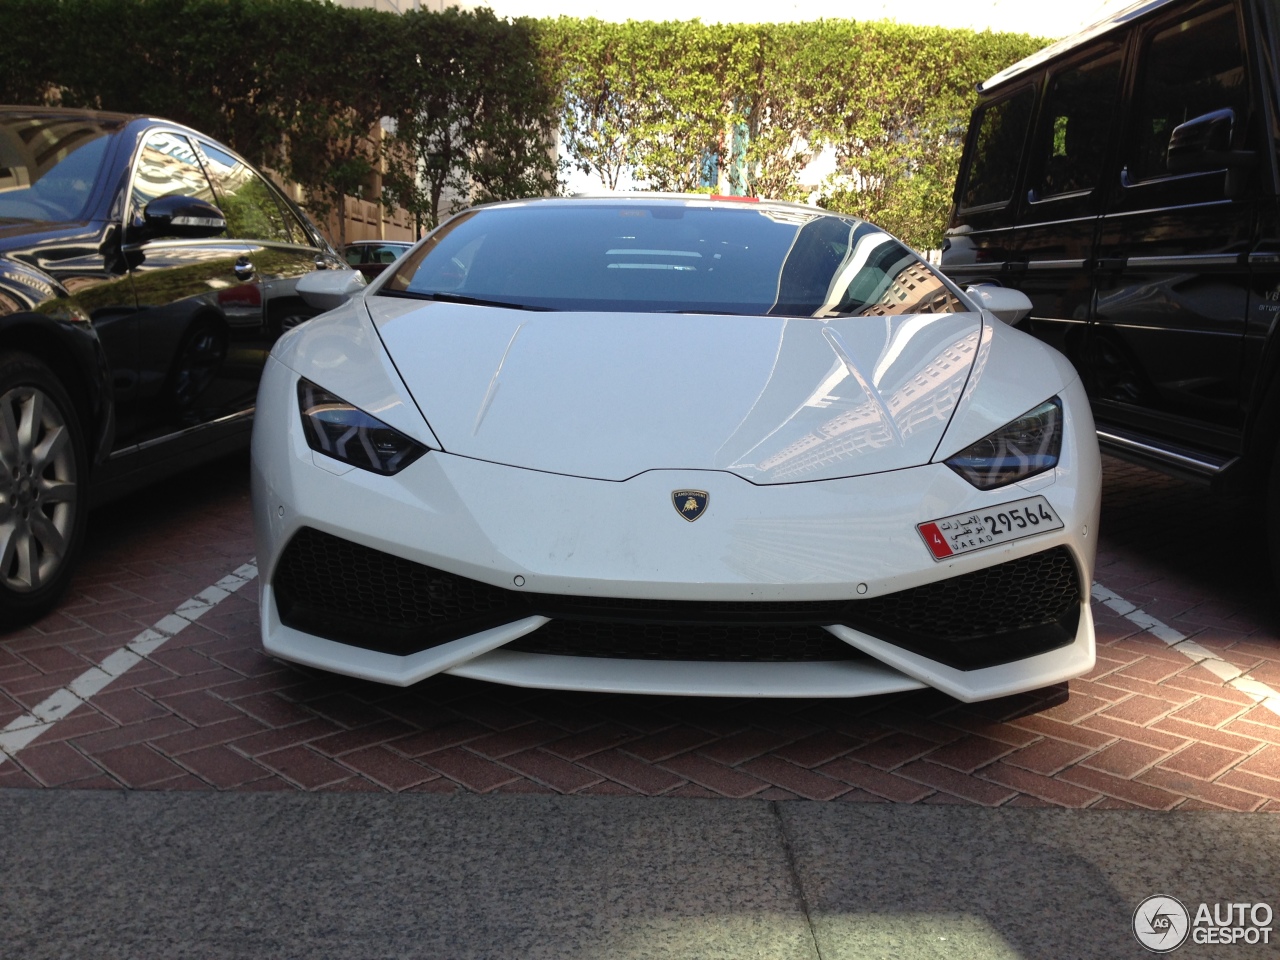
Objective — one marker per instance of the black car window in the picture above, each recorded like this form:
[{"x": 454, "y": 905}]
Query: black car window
[
  {"x": 252, "y": 209},
  {"x": 48, "y": 165},
  {"x": 1000, "y": 130},
  {"x": 1075, "y": 120},
  {"x": 167, "y": 166},
  {"x": 366, "y": 253},
  {"x": 672, "y": 257},
  {"x": 1188, "y": 69}
]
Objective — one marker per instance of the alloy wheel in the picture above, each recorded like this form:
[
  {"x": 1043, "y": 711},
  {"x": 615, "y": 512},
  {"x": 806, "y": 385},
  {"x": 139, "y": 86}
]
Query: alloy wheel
[{"x": 38, "y": 489}]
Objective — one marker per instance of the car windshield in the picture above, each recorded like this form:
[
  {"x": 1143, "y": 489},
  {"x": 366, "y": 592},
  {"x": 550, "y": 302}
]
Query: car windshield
[
  {"x": 48, "y": 165},
  {"x": 685, "y": 256}
]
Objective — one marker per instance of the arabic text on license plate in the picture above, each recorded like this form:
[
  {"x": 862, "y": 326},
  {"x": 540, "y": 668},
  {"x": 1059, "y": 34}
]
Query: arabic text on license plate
[{"x": 976, "y": 529}]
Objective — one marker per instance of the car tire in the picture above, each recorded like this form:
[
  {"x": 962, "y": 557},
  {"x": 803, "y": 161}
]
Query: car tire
[
  {"x": 43, "y": 483},
  {"x": 1273, "y": 522},
  {"x": 197, "y": 363},
  {"x": 288, "y": 314}
]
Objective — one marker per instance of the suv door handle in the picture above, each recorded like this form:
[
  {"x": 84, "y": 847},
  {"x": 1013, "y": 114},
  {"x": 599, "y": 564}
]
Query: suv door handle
[
  {"x": 243, "y": 269},
  {"x": 1110, "y": 263},
  {"x": 321, "y": 263}
]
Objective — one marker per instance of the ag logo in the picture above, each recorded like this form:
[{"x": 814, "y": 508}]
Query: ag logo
[
  {"x": 690, "y": 504},
  {"x": 1161, "y": 923}
]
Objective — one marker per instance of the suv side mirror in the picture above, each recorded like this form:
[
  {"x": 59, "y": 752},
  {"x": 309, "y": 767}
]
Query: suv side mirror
[
  {"x": 1006, "y": 305},
  {"x": 186, "y": 217},
  {"x": 1203, "y": 143},
  {"x": 330, "y": 289}
]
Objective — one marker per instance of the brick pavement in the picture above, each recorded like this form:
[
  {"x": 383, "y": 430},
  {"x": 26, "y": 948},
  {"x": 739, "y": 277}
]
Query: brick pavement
[{"x": 209, "y": 711}]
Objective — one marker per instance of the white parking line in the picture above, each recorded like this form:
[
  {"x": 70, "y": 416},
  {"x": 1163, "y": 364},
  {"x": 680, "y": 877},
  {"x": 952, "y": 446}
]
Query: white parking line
[
  {"x": 63, "y": 701},
  {"x": 1229, "y": 674}
]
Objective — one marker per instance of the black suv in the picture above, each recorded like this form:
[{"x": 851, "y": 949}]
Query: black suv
[
  {"x": 145, "y": 271},
  {"x": 1126, "y": 179}
]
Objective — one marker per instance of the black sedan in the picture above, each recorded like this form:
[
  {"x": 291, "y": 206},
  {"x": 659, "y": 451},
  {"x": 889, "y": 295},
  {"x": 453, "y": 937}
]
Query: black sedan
[{"x": 145, "y": 271}]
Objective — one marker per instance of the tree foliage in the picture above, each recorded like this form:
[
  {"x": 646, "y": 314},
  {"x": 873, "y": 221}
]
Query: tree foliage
[
  {"x": 299, "y": 85},
  {"x": 474, "y": 103},
  {"x": 660, "y": 103},
  {"x": 471, "y": 110}
]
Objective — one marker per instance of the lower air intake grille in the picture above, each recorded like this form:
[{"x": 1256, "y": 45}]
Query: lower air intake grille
[
  {"x": 332, "y": 588},
  {"x": 343, "y": 591},
  {"x": 995, "y": 615},
  {"x": 727, "y": 643}
]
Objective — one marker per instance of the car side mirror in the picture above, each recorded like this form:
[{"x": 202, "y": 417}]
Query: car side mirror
[
  {"x": 330, "y": 289},
  {"x": 1203, "y": 143},
  {"x": 1006, "y": 305},
  {"x": 184, "y": 217}
]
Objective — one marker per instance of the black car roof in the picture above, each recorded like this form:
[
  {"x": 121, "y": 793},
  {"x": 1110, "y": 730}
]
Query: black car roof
[
  {"x": 124, "y": 121},
  {"x": 21, "y": 110},
  {"x": 1104, "y": 26}
]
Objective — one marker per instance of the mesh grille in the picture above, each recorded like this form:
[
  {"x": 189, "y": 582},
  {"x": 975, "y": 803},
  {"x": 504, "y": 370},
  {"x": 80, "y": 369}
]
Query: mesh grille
[
  {"x": 1041, "y": 588},
  {"x": 333, "y": 588},
  {"x": 738, "y": 643},
  {"x": 343, "y": 591},
  {"x": 317, "y": 567},
  {"x": 995, "y": 615},
  {"x": 688, "y": 611}
]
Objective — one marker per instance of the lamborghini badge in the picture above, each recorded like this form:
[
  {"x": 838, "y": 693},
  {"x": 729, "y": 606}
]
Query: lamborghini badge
[{"x": 690, "y": 504}]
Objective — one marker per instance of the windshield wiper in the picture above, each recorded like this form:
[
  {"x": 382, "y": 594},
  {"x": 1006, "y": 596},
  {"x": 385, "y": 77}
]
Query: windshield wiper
[{"x": 443, "y": 297}]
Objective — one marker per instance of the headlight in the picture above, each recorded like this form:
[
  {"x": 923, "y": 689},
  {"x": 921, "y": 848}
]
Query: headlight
[
  {"x": 339, "y": 430},
  {"x": 1020, "y": 449}
]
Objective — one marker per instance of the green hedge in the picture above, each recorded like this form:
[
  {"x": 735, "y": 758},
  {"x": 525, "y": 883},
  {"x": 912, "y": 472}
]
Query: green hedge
[
  {"x": 893, "y": 101},
  {"x": 297, "y": 84}
]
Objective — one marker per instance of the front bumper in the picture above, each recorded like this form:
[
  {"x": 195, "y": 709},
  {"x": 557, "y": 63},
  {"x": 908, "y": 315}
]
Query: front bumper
[{"x": 540, "y": 534}]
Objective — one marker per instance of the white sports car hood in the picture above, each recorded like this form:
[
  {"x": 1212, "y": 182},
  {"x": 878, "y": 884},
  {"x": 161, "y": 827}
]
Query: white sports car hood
[{"x": 611, "y": 395}]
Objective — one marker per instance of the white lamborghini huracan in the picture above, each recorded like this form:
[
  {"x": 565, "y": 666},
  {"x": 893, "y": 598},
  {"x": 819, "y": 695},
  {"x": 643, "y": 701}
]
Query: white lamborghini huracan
[{"x": 674, "y": 444}]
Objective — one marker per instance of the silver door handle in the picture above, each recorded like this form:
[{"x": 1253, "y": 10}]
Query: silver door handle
[{"x": 243, "y": 268}]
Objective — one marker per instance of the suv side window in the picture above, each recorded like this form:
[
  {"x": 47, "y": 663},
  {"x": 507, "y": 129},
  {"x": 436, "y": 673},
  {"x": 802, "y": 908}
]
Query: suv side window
[
  {"x": 1075, "y": 123},
  {"x": 252, "y": 210},
  {"x": 167, "y": 166},
  {"x": 1189, "y": 69},
  {"x": 1001, "y": 130}
]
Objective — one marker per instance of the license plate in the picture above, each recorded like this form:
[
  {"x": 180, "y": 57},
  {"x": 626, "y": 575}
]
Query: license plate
[{"x": 977, "y": 529}]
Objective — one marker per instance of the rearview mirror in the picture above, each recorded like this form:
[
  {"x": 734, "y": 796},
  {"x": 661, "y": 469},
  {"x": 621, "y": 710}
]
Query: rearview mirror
[
  {"x": 184, "y": 217},
  {"x": 1203, "y": 143},
  {"x": 330, "y": 289},
  {"x": 1006, "y": 305}
]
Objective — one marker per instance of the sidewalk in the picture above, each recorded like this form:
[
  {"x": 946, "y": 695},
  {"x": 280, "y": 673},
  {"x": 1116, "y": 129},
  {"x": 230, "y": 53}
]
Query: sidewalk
[{"x": 91, "y": 874}]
